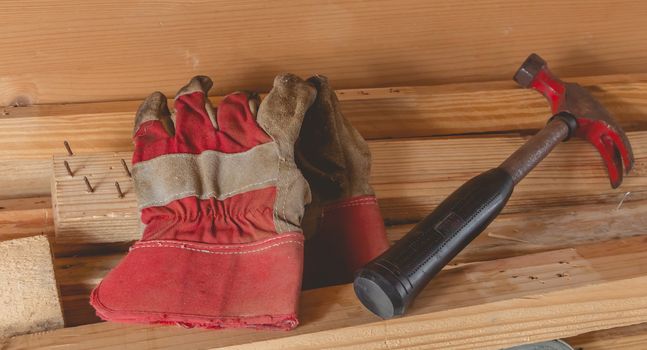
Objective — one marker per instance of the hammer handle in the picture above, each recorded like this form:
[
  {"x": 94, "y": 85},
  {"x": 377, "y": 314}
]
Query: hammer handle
[
  {"x": 526, "y": 158},
  {"x": 388, "y": 284}
]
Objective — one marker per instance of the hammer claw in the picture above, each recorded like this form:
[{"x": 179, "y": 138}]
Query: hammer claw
[
  {"x": 594, "y": 122},
  {"x": 625, "y": 150},
  {"x": 611, "y": 156},
  {"x": 611, "y": 147}
]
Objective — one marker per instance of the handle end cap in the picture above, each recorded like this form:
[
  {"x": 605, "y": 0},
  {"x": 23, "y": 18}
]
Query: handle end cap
[{"x": 378, "y": 294}]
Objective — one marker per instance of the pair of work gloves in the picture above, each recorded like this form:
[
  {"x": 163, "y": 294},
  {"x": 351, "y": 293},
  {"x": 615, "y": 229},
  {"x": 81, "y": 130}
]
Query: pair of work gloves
[{"x": 222, "y": 194}]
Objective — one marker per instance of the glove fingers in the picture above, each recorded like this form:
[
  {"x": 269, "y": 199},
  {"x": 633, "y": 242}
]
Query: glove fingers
[
  {"x": 280, "y": 115},
  {"x": 193, "y": 110},
  {"x": 331, "y": 153},
  {"x": 153, "y": 120},
  {"x": 281, "y": 112},
  {"x": 236, "y": 116}
]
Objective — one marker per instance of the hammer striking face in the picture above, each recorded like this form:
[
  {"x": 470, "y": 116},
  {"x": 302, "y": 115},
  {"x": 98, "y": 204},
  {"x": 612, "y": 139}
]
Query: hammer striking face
[{"x": 594, "y": 122}]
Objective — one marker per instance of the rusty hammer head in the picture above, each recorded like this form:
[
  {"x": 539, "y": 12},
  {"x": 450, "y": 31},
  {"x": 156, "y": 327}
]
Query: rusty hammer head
[{"x": 594, "y": 122}]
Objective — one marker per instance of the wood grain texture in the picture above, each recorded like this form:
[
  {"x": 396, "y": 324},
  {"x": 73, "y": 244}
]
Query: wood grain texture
[
  {"x": 29, "y": 136},
  {"x": 28, "y": 294},
  {"x": 621, "y": 338},
  {"x": 107, "y": 50},
  {"x": 25, "y": 217},
  {"x": 410, "y": 177},
  {"x": 511, "y": 234},
  {"x": 482, "y": 305},
  {"x": 100, "y": 216},
  {"x": 542, "y": 229}
]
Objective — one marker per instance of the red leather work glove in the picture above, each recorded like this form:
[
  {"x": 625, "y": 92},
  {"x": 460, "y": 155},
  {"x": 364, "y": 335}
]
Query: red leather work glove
[
  {"x": 221, "y": 203},
  {"x": 344, "y": 225}
]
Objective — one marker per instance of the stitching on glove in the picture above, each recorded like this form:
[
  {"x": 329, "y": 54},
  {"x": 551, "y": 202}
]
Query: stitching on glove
[
  {"x": 204, "y": 196},
  {"x": 224, "y": 246},
  {"x": 342, "y": 206},
  {"x": 212, "y": 252},
  {"x": 356, "y": 202}
]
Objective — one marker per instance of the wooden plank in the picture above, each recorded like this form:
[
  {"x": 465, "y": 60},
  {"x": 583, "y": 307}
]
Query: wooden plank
[
  {"x": 30, "y": 135},
  {"x": 28, "y": 295},
  {"x": 512, "y": 234},
  {"x": 482, "y": 305},
  {"x": 621, "y": 338},
  {"x": 76, "y": 277},
  {"x": 25, "y": 217},
  {"x": 83, "y": 51},
  {"x": 100, "y": 216},
  {"x": 410, "y": 177},
  {"x": 542, "y": 229}
]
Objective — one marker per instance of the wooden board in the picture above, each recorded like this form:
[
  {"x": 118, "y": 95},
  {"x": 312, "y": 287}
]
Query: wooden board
[
  {"x": 25, "y": 217},
  {"x": 512, "y": 234},
  {"x": 621, "y": 338},
  {"x": 28, "y": 295},
  {"x": 484, "y": 305},
  {"x": 30, "y": 135},
  {"x": 81, "y": 216},
  {"x": 410, "y": 177},
  {"x": 87, "y": 51},
  {"x": 542, "y": 229}
]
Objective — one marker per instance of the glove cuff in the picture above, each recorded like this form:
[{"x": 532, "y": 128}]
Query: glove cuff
[
  {"x": 350, "y": 233},
  {"x": 252, "y": 285}
]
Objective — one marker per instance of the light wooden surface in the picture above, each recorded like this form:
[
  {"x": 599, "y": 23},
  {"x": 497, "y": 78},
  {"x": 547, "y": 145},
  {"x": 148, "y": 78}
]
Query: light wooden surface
[
  {"x": 542, "y": 229},
  {"x": 25, "y": 217},
  {"x": 511, "y": 234},
  {"x": 81, "y": 216},
  {"x": 28, "y": 294},
  {"x": 88, "y": 51},
  {"x": 625, "y": 338},
  {"x": 29, "y": 136},
  {"x": 481, "y": 305},
  {"x": 410, "y": 177},
  {"x": 541, "y": 217}
]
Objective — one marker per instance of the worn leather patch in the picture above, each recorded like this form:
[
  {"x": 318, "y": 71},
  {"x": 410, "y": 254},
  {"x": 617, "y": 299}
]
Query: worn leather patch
[{"x": 209, "y": 174}]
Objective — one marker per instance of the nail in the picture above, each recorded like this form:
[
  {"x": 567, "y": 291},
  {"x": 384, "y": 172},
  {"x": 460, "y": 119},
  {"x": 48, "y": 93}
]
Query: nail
[
  {"x": 123, "y": 163},
  {"x": 67, "y": 167},
  {"x": 67, "y": 147},
  {"x": 121, "y": 194},
  {"x": 87, "y": 184}
]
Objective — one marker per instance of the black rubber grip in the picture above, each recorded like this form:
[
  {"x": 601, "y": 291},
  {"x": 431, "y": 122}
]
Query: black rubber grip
[{"x": 389, "y": 283}]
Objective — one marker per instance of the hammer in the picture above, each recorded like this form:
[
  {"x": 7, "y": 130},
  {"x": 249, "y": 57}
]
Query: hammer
[{"x": 388, "y": 284}]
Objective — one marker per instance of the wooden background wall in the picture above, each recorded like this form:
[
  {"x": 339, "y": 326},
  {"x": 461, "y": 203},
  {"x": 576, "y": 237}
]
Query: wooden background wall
[{"x": 76, "y": 50}]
